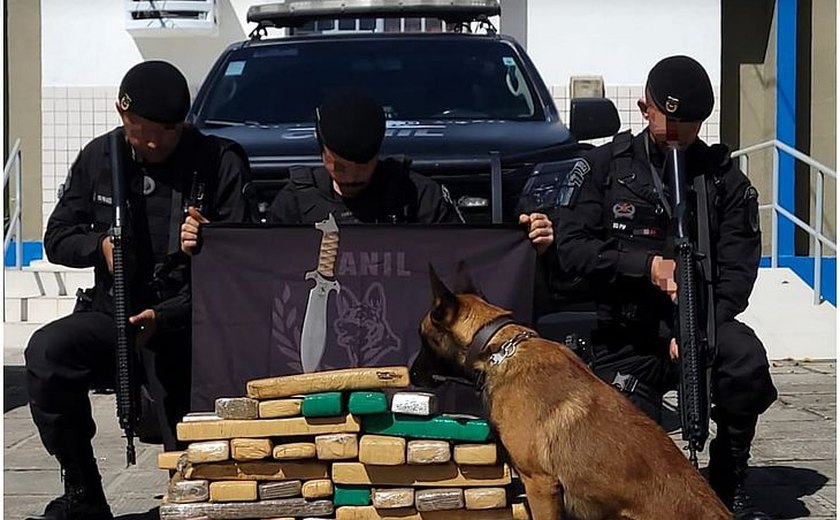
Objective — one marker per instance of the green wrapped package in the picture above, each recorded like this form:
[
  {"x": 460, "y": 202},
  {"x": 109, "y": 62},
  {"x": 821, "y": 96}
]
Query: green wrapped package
[
  {"x": 327, "y": 404},
  {"x": 367, "y": 403},
  {"x": 348, "y": 495},
  {"x": 437, "y": 427}
]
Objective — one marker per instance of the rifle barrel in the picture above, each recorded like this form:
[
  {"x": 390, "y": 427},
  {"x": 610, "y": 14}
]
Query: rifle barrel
[{"x": 127, "y": 408}]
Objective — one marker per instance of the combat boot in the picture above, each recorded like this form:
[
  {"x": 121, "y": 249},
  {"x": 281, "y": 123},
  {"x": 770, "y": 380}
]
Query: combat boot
[
  {"x": 727, "y": 476},
  {"x": 83, "y": 498}
]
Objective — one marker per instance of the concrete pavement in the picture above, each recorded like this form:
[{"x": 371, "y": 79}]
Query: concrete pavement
[{"x": 794, "y": 457}]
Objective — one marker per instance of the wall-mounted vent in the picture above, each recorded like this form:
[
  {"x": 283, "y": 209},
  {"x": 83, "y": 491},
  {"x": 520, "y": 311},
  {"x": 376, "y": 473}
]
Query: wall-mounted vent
[{"x": 171, "y": 18}]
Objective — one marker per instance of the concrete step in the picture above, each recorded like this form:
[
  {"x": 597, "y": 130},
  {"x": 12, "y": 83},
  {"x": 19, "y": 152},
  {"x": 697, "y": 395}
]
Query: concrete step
[
  {"x": 782, "y": 313},
  {"x": 48, "y": 308},
  {"x": 45, "y": 279},
  {"x": 38, "y": 309}
]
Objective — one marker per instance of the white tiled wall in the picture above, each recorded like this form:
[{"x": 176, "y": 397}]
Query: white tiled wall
[
  {"x": 625, "y": 98},
  {"x": 71, "y": 117}
]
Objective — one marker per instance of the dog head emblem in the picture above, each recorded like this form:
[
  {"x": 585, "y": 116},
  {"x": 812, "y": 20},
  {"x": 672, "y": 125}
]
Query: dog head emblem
[{"x": 362, "y": 327}]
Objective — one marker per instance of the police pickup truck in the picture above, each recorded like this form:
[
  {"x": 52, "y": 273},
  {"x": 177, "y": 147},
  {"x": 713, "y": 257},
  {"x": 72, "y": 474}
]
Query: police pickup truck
[{"x": 464, "y": 103}]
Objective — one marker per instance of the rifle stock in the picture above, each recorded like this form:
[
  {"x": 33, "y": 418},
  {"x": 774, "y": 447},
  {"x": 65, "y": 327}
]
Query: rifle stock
[
  {"x": 692, "y": 330},
  {"x": 127, "y": 389}
]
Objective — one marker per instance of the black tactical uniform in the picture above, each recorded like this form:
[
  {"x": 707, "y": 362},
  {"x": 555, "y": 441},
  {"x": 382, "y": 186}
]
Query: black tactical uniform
[
  {"x": 614, "y": 218},
  {"x": 351, "y": 125},
  {"x": 396, "y": 195},
  {"x": 67, "y": 357}
]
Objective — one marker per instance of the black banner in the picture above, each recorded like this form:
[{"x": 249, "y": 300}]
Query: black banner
[{"x": 251, "y": 297}]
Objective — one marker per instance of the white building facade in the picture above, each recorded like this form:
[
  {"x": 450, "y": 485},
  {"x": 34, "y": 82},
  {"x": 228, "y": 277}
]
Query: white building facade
[{"x": 86, "y": 48}]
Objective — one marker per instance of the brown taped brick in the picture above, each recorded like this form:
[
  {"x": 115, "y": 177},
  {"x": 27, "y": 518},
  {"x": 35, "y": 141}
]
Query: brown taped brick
[
  {"x": 433, "y": 475},
  {"x": 475, "y": 454},
  {"x": 381, "y": 450},
  {"x": 233, "y": 491},
  {"x": 330, "y": 381},
  {"x": 317, "y": 489},
  {"x": 210, "y": 451},
  {"x": 258, "y": 470},
  {"x": 169, "y": 459},
  {"x": 280, "y": 408},
  {"x": 485, "y": 498},
  {"x": 250, "y": 449},
  {"x": 371, "y": 513},
  {"x": 339, "y": 446},
  {"x": 428, "y": 452},
  {"x": 294, "y": 451},
  {"x": 261, "y": 428}
]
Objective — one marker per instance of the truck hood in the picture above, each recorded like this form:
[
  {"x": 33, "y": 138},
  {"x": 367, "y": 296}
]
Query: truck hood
[{"x": 425, "y": 142}]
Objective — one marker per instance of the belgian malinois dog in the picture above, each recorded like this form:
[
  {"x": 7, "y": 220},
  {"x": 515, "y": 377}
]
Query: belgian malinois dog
[{"x": 582, "y": 449}]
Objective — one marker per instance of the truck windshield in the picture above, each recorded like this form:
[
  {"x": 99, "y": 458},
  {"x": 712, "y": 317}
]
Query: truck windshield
[{"x": 415, "y": 79}]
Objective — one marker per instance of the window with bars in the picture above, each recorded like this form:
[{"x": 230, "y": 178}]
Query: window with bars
[{"x": 170, "y": 16}]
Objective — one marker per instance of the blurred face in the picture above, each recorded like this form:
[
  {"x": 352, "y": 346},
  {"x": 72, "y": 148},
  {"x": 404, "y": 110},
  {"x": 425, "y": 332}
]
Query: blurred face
[
  {"x": 349, "y": 178},
  {"x": 152, "y": 142},
  {"x": 665, "y": 129}
]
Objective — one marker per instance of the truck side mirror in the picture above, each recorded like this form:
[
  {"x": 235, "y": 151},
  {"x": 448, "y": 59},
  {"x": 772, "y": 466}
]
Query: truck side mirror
[{"x": 590, "y": 118}]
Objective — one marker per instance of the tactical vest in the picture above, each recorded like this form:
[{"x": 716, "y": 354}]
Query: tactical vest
[
  {"x": 634, "y": 212},
  {"x": 157, "y": 281},
  {"x": 635, "y": 216},
  {"x": 393, "y": 205}
]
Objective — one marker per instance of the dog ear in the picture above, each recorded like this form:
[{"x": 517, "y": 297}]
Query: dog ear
[
  {"x": 375, "y": 298},
  {"x": 346, "y": 299},
  {"x": 444, "y": 302}
]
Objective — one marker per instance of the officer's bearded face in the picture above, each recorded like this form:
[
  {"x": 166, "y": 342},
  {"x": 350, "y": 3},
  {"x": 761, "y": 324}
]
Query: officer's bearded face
[
  {"x": 665, "y": 130},
  {"x": 152, "y": 142},
  {"x": 349, "y": 178}
]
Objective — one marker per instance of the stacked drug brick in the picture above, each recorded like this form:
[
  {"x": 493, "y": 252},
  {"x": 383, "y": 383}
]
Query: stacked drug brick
[{"x": 330, "y": 445}]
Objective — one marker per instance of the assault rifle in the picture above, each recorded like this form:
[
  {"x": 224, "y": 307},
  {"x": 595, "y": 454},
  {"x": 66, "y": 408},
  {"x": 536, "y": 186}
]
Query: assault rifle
[
  {"x": 695, "y": 331},
  {"x": 127, "y": 385}
]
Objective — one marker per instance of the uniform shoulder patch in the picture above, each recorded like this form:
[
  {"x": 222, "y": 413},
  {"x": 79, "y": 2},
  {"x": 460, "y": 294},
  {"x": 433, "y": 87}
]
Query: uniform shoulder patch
[
  {"x": 569, "y": 188},
  {"x": 753, "y": 222},
  {"x": 64, "y": 186},
  {"x": 579, "y": 171}
]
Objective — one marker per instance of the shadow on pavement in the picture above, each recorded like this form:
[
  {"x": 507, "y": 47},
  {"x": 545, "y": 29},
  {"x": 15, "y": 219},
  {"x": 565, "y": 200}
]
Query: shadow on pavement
[
  {"x": 778, "y": 489},
  {"x": 151, "y": 514},
  {"x": 14, "y": 387}
]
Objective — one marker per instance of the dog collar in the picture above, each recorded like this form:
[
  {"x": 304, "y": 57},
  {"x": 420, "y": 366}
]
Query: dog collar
[
  {"x": 483, "y": 337},
  {"x": 508, "y": 348}
]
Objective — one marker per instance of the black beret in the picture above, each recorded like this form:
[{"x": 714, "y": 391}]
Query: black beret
[
  {"x": 352, "y": 124},
  {"x": 157, "y": 91},
  {"x": 680, "y": 87}
]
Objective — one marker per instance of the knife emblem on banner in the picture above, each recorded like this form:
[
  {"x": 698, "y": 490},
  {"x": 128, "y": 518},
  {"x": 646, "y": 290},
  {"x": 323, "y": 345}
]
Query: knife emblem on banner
[{"x": 313, "y": 336}]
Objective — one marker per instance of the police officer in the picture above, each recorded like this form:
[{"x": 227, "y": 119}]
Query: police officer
[
  {"x": 167, "y": 166},
  {"x": 358, "y": 187},
  {"x": 613, "y": 229}
]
